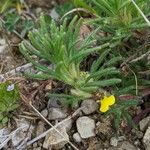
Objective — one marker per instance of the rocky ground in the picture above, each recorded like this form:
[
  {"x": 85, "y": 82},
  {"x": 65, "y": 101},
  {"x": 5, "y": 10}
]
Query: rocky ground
[
  {"x": 47, "y": 124},
  {"x": 44, "y": 123}
]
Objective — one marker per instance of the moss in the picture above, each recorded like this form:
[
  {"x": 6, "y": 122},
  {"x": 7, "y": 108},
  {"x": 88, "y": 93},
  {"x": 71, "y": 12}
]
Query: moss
[{"x": 9, "y": 96}]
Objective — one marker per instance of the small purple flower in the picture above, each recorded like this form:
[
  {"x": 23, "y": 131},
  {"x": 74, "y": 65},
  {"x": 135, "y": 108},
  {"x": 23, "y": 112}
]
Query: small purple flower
[{"x": 10, "y": 87}]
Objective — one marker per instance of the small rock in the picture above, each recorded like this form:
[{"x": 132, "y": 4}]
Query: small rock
[
  {"x": 54, "y": 14},
  {"x": 44, "y": 113},
  {"x": 2, "y": 41},
  {"x": 77, "y": 137},
  {"x": 48, "y": 86},
  {"x": 56, "y": 113},
  {"x": 126, "y": 146},
  {"x": 24, "y": 134},
  {"x": 85, "y": 127},
  {"x": 146, "y": 139},
  {"x": 114, "y": 141},
  {"x": 40, "y": 128},
  {"x": 55, "y": 140},
  {"x": 3, "y": 46},
  {"x": 38, "y": 10},
  {"x": 89, "y": 106},
  {"x": 54, "y": 102},
  {"x": 144, "y": 123},
  {"x": 35, "y": 145},
  {"x": 4, "y": 132},
  {"x": 67, "y": 124}
]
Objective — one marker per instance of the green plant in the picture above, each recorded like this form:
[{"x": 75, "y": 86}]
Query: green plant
[
  {"x": 14, "y": 21},
  {"x": 11, "y": 21},
  {"x": 9, "y": 95},
  {"x": 7, "y": 4},
  {"x": 118, "y": 18},
  {"x": 121, "y": 110},
  {"x": 61, "y": 46}
]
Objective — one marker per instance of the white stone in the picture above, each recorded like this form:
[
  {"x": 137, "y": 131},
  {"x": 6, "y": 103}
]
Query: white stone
[
  {"x": 114, "y": 141},
  {"x": 126, "y": 146},
  {"x": 54, "y": 140},
  {"x": 44, "y": 113},
  {"x": 56, "y": 113},
  {"x": 77, "y": 137},
  {"x": 3, "y": 137},
  {"x": 40, "y": 128},
  {"x": 146, "y": 139},
  {"x": 24, "y": 134},
  {"x": 89, "y": 106},
  {"x": 54, "y": 14},
  {"x": 85, "y": 127},
  {"x": 144, "y": 123}
]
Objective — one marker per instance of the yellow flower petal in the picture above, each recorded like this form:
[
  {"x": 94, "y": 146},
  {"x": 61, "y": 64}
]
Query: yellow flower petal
[
  {"x": 111, "y": 100},
  {"x": 104, "y": 107},
  {"x": 106, "y": 102}
]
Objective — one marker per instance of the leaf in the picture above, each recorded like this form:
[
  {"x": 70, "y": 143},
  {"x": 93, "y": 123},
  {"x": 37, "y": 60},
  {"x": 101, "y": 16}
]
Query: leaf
[
  {"x": 102, "y": 73},
  {"x": 84, "y": 53},
  {"x": 117, "y": 119},
  {"x": 96, "y": 64},
  {"x": 11, "y": 21},
  {"x": 81, "y": 3},
  {"x": 4, "y": 120},
  {"x": 27, "y": 26},
  {"x": 103, "y": 83}
]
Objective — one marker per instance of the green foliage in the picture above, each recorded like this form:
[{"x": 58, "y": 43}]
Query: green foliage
[
  {"x": 121, "y": 110},
  {"x": 64, "y": 8},
  {"x": 14, "y": 21},
  {"x": 9, "y": 96},
  {"x": 83, "y": 3},
  {"x": 119, "y": 18},
  {"x": 5, "y": 4},
  {"x": 11, "y": 21},
  {"x": 61, "y": 46}
]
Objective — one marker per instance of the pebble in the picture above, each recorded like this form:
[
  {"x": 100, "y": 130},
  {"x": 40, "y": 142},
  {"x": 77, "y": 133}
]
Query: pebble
[
  {"x": 85, "y": 127},
  {"x": 114, "y": 141},
  {"x": 77, "y": 137},
  {"x": 67, "y": 124},
  {"x": 44, "y": 113},
  {"x": 54, "y": 14},
  {"x": 54, "y": 102},
  {"x": 3, "y": 136},
  {"x": 127, "y": 146},
  {"x": 146, "y": 139},
  {"x": 54, "y": 140},
  {"x": 144, "y": 123},
  {"x": 56, "y": 113},
  {"x": 24, "y": 134},
  {"x": 40, "y": 128},
  {"x": 89, "y": 106}
]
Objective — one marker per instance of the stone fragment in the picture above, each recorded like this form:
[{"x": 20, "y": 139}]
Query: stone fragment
[
  {"x": 146, "y": 139},
  {"x": 56, "y": 113},
  {"x": 77, "y": 137},
  {"x": 44, "y": 113},
  {"x": 89, "y": 106},
  {"x": 144, "y": 123},
  {"x": 85, "y": 127},
  {"x": 54, "y": 140}
]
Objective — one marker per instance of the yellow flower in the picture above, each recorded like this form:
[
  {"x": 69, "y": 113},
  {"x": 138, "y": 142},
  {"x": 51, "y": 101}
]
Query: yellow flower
[{"x": 106, "y": 102}]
